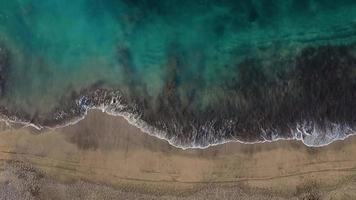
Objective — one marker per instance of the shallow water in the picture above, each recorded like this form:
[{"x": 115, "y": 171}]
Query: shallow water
[{"x": 201, "y": 71}]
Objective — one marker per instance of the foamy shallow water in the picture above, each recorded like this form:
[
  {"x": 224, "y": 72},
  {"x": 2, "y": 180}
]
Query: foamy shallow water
[{"x": 311, "y": 136}]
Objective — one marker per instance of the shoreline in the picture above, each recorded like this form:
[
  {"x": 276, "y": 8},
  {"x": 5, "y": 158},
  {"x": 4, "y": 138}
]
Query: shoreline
[{"x": 152, "y": 131}]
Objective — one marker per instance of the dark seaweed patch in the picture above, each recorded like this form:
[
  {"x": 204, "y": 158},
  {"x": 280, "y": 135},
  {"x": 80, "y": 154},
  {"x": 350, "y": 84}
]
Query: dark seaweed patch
[
  {"x": 4, "y": 65},
  {"x": 327, "y": 80}
]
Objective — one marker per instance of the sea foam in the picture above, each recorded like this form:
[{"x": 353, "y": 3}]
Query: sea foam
[{"x": 309, "y": 133}]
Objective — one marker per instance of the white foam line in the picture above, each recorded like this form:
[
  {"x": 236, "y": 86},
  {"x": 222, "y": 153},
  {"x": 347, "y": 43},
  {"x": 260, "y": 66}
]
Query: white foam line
[
  {"x": 152, "y": 131},
  {"x": 8, "y": 121}
]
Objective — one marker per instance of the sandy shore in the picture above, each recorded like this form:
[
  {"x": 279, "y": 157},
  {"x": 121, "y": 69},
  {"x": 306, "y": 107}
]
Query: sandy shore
[{"x": 104, "y": 157}]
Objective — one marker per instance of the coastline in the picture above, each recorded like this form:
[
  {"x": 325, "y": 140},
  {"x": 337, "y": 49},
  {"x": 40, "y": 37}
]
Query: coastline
[
  {"x": 286, "y": 85},
  {"x": 104, "y": 151},
  {"x": 152, "y": 131},
  {"x": 316, "y": 123},
  {"x": 182, "y": 100}
]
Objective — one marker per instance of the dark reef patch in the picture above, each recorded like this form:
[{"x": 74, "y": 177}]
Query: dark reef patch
[
  {"x": 327, "y": 80},
  {"x": 4, "y": 65}
]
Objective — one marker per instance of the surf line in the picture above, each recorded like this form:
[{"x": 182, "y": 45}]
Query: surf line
[{"x": 134, "y": 120}]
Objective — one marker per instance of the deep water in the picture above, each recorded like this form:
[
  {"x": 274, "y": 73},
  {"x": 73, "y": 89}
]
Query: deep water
[{"x": 197, "y": 72}]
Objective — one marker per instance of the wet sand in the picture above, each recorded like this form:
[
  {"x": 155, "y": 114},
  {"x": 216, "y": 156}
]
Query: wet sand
[{"x": 104, "y": 157}]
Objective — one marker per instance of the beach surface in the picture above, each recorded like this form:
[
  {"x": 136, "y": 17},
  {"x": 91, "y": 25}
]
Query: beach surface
[{"x": 104, "y": 157}]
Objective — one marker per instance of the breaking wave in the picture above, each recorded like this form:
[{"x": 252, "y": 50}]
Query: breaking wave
[{"x": 309, "y": 133}]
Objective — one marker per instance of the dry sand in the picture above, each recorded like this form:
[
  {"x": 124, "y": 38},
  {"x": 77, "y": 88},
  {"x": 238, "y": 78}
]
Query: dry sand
[{"x": 104, "y": 157}]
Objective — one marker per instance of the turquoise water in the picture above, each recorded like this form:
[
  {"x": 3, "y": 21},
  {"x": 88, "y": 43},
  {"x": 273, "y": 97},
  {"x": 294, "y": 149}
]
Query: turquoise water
[{"x": 146, "y": 48}]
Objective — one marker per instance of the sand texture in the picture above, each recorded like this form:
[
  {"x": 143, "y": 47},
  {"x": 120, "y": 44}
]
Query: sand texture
[{"x": 104, "y": 157}]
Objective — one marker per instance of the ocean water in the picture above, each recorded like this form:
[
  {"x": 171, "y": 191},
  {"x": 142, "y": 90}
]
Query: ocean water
[{"x": 195, "y": 73}]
